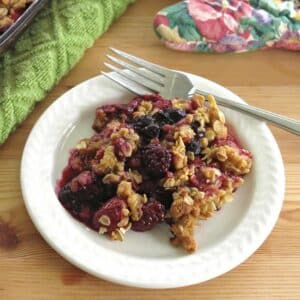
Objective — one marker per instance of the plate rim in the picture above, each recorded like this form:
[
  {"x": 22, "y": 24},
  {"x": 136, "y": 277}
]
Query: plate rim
[{"x": 271, "y": 220}]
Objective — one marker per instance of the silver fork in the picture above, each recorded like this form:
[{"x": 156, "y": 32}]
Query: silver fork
[{"x": 145, "y": 77}]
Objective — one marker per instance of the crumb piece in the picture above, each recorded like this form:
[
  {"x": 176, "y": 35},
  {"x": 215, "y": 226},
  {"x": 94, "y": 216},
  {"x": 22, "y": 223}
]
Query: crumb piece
[
  {"x": 231, "y": 159},
  {"x": 144, "y": 108},
  {"x": 183, "y": 232},
  {"x": 182, "y": 104},
  {"x": 178, "y": 153},
  {"x": 179, "y": 178},
  {"x": 109, "y": 163},
  {"x": 185, "y": 132},
  {"x": 135, "y": 201}
]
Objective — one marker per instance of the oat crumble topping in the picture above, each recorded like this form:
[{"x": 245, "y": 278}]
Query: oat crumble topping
[
  {"x": 154, "y": 160},
  {"x": 10, "y": 10}
]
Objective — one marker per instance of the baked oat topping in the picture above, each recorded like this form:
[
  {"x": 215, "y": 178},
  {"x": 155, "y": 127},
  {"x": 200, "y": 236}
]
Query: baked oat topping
[
  {"x": 10, "y": 11},
  {"x": 154, "y": 160}
]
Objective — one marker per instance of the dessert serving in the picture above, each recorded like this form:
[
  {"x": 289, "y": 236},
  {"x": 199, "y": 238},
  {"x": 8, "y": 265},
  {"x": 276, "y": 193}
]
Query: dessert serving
[
  {"x": 10, "y": 11},
  {"x": 150, "y": 161}
]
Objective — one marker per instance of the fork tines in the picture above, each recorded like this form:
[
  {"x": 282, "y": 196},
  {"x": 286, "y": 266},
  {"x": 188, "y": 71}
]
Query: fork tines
[{"x": 138, "y": 75}]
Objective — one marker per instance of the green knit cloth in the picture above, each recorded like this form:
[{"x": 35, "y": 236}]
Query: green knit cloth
[{"x": 47, "y": 50}]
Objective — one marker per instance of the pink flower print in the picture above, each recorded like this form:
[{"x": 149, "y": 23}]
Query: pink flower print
[
  {"x": 215, "y": 19},
  {"x": 185, "y": 46},
  {"x": 240, "y": 9},
  {"x": 160, "y": 19}
]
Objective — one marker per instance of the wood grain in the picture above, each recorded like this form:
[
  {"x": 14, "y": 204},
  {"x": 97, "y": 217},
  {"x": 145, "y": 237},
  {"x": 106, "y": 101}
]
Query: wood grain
[{"x": 30, "y": 269}]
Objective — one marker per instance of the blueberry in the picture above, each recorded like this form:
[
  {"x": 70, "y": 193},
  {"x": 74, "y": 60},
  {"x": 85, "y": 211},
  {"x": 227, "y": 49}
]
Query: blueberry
[
  {"x": 194, "y": 146},
  {"x": 169, "y": 116},
  {"x": 162, "y": 117},
  {"x": 196, "y": 127},
  {"x": 142, "y": 122},
  {"x": 151, "y": 131},
  {"x": 176, "y": 114},
  {"x": 200, "y": 134}
]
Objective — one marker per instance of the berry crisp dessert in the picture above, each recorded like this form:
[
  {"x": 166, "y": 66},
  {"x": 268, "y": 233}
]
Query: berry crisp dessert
[
  {"x": 150, "y": 161},
  {"x": 10, "y": 11}
]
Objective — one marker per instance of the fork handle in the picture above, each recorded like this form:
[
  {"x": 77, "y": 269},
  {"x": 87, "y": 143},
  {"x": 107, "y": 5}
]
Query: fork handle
[{"x": 283, "y": 122}]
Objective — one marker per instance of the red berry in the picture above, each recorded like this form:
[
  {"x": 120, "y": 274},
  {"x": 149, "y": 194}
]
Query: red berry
[
  {"x": 153, "y": 214},
  {"x": 110, "y": 214},
  {"x": 82, "y": 180},
  {"x": 122, "y": 148},
  {"x": 80, "y": 159},
  {"x": 109, "y": 109},
  {"x": 135, "y": 161},
  {"x": 16, "y": 14},
  {"x": 85, "y": 214},
  {"x": 133, "y": 104}
]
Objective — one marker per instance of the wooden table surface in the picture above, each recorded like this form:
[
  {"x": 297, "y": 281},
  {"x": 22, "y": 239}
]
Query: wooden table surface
[{"x": 30, "y": 269}]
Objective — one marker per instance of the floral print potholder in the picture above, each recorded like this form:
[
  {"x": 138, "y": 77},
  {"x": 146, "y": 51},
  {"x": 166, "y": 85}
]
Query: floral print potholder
[{"x": 219, "y": 26}]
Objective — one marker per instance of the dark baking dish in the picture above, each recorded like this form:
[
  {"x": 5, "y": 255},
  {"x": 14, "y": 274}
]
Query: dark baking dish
[{"x": 10, "y": 35}]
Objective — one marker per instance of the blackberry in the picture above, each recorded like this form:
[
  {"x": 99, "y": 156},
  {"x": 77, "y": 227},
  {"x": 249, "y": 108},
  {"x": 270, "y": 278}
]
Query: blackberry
[
  {"x": 156, "y": 160},
  {"x": 64, "y": 195},
  {"x": 151, "y": 131},
  {"x": 164, "y": 196},
  {"x": 176, "y": 114},
  {"x": 109, "y": 191},
  {"x": 69, "y": 199},
  {"x": 152, "y": 189},
  {"x": 194, "y": 146},
  {"x": 74, "y": 205},
  {"x": 148, "y": 187},
  {"x": 153, "y": 214},
  {"x": 85, "y": 189}
]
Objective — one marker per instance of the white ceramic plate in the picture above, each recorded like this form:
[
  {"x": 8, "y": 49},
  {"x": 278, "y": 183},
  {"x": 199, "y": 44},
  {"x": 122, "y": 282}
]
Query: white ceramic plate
[{"x": 148, "y": 259}]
